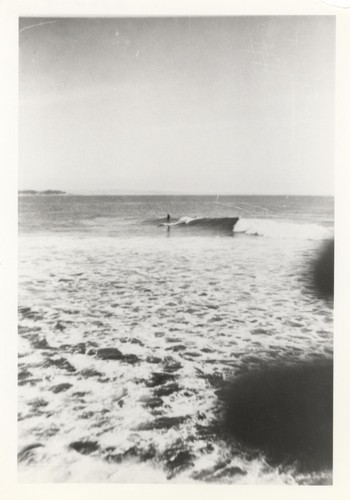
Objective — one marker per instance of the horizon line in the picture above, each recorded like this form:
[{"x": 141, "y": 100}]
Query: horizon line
[{"x": 165, "y": 193}]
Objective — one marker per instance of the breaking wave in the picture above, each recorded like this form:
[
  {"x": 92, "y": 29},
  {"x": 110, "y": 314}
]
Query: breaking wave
[
  {"x": 277, "y": 229},
  {"x": 283, "y": 229}
]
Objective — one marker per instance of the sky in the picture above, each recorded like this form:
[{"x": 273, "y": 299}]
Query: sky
[{"x": 216, "y": 105}]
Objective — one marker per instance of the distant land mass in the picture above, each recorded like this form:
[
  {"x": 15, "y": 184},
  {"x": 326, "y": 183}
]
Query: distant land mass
[{"x": 33, "y": 192}]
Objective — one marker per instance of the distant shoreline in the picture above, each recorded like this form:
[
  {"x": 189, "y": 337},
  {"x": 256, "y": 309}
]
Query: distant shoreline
[{"x": 32, "y": 192}]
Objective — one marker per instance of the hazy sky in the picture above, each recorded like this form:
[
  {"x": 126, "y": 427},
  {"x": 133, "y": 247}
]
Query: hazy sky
[{"x": 238, "y": 105}]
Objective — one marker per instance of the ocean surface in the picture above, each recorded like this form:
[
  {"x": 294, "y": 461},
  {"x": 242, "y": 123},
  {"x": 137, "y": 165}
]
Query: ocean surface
[{"x": 127, "y": 322}]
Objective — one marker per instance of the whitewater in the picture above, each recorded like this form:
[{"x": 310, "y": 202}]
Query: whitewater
[{"x": 127, "y": 331}]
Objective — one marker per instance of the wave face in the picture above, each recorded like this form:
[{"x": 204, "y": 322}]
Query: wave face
[
  {"x": 222, "y": 225},
  {"x": 283, "y": 229},
  {"x": 216, "y": 224}
]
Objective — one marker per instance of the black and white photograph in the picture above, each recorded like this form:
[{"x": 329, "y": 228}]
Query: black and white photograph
[{"x": 176, "y": 249}]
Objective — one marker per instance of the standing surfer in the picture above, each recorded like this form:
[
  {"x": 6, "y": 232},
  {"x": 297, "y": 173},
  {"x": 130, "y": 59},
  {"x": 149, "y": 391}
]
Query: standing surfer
[{"x": 168, "y": 222}]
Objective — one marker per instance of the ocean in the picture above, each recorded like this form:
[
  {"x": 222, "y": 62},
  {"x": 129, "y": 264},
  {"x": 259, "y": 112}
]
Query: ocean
[{"x": 129, "y": 324}]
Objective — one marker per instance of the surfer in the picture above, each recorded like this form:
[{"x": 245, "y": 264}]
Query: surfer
[{"x": 168, "y": 218}]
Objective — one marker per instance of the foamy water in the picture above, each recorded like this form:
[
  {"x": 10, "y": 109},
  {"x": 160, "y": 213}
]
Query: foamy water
[{"x": 124, "y": 341}]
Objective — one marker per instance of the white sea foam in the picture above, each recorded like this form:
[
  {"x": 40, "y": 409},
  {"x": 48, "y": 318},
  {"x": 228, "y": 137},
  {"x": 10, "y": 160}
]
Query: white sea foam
[
  {"x": 186, "y": 220},
  {"x": 282, "y": 229},
  {"x": 202, "y": 307}
]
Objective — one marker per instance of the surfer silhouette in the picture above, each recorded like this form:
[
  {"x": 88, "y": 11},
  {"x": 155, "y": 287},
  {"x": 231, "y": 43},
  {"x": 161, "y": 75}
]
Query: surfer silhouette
[{"x": 168, "y": 221}]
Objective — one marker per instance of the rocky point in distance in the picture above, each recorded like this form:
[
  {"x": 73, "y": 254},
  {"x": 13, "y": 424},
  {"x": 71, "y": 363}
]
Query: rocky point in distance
[{"x": 33, "y": 192}]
